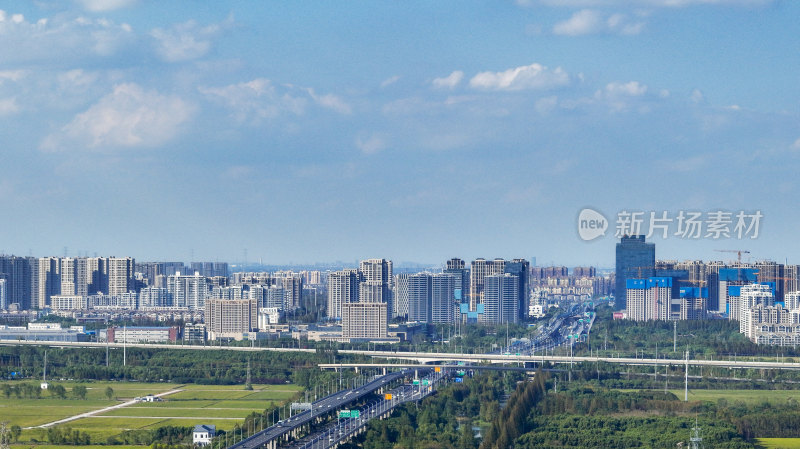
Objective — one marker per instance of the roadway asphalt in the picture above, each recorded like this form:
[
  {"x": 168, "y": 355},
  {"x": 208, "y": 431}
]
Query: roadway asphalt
[
  {"x": 345, "y": 428},
  {"x": 322, "y": 406}
]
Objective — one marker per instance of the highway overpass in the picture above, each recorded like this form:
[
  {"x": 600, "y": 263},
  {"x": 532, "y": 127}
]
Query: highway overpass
[{"x": 445, "y": 357}]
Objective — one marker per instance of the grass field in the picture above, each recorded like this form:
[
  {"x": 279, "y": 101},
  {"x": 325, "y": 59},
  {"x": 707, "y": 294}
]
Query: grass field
[
  {"x": 779, "y": 443},
  {"x": 747, "y": 396},
  {"x": 220, "y": 405},
  {"x": 55, "y": 446}
]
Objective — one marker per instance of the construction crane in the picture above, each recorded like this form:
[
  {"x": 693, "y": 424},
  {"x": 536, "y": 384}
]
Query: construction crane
[
  {"x": 738, "y": 252},
  {"x": 687, "y": 281},
  {"x": 639, "y": 270}
]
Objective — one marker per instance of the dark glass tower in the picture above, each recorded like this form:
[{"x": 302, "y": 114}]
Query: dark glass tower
[{"x": 636, "y": 259}]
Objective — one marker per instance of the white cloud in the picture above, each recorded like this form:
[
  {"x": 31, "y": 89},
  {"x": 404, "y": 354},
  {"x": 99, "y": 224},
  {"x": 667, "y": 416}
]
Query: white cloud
[
  {"x": 61, "y": 39},
  {"x": 527, "y": 195},
  {"x": 105, "y": 5},
  {"x": 631, "y": 89},
  {"x": 370, "y": 143},
  {"x": 796, "y": 144},
  {"x": 697, "y": 96},
  {"x": 587, "y": 21},
  {"x": 534, "y": 76},
  {"x": 330, "y": 101},
  {"x": 689, "y": 164},
  {"x": 389, "y": 81},
  {"x": 582, "y": 22},
  {"x": 256, "y": 100},
  {"x": 8, "y": 106},
  {"x": 130, "y": 116},
  {"x": 11, "y": 75},
  {"x": 450, "y": 81},
  {"x": 77, "y": 79},
  {"x": 546, "y": 104},
  {"x": 184, "y": 41},
  {"x": 260, "y": 99},
  {"x": 618, "y": 96},
  {"x": 237, "y": 172},
  {"x": 641, "y": 3}
]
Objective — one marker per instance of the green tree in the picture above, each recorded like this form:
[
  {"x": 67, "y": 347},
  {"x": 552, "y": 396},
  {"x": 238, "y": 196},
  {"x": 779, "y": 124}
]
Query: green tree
[
  {"x": 467, "y": 439},
  {"x": 109, "y": 393},
  {"x": 79, "y": 391},
  {"x": 58, "y": 391},
  {"x": 16, "y": 431}
]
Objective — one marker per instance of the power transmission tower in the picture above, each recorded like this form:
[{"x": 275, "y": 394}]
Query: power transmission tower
[
  {"x": 674, "y": 336},
  {"x": 696, "y": 441},
  {"x": 686, "y": 379},
  {"x": 248, "y": 384}
]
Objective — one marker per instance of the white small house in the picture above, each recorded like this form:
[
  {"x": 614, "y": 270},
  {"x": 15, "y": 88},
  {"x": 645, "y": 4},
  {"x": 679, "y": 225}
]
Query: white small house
[{"x": 203, "y": 434}]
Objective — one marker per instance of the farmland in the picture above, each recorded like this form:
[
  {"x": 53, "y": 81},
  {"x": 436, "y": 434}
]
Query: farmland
[{"x": 222, "y": 406}]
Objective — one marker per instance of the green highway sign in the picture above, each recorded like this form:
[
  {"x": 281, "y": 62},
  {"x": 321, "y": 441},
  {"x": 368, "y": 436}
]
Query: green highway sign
[
  {"x": 425, "y": 382},
  {"x": 345, "y": 413},
  {"x": 416, "y": 382},
  {"x": 355, "y": 414}
]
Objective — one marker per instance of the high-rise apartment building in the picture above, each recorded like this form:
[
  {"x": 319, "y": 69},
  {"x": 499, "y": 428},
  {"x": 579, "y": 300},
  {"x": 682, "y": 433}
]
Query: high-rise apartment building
[
  {"x": 636, "y": 259},
  {"x": 376, "y": 285},
  {"x": 501, "y": 299},
  {"x": 188, "y": 291},
  {"x": 480, "y": 269},
  {"x": 21, "y": 275},
  {"x": 457, "y": 268},
  {"x": 650, "y": 299},
  {"x": 69, "y": 276},
  {"x": 400, "y": 295},
  {"x": 3, "y": 295},
  {"x": 293, "y": 291},
  {"x": 120, "y": 275},
  {"x": 210, "y": 269},
  {"x": 155, "y": 297},
  {"x": 419, "y": 298},
  {"x": 364, "y": 320},
  {"x": 521, "y": 268},
  {"x": 226, "y": 318},
  {"x": 773, "y": 273},
  {"x": 267, "y": 296},
  {"x": 343, "y": 288},
  {"x": 792, "y": 300},
  {"x": 49, "y": 280},
  {"x": 588, "y": 272},
  {"x": 443, "y": 298},
  {"x": 752, "y": 295},
  {"x": 97, "y": 275}
]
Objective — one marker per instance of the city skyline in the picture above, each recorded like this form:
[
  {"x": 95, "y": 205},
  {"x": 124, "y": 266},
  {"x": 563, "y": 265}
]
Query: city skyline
[{"x": 298, "y": 133}]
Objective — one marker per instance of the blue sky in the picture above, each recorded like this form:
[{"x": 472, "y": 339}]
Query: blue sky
[{"x": 415, "y": 131}]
